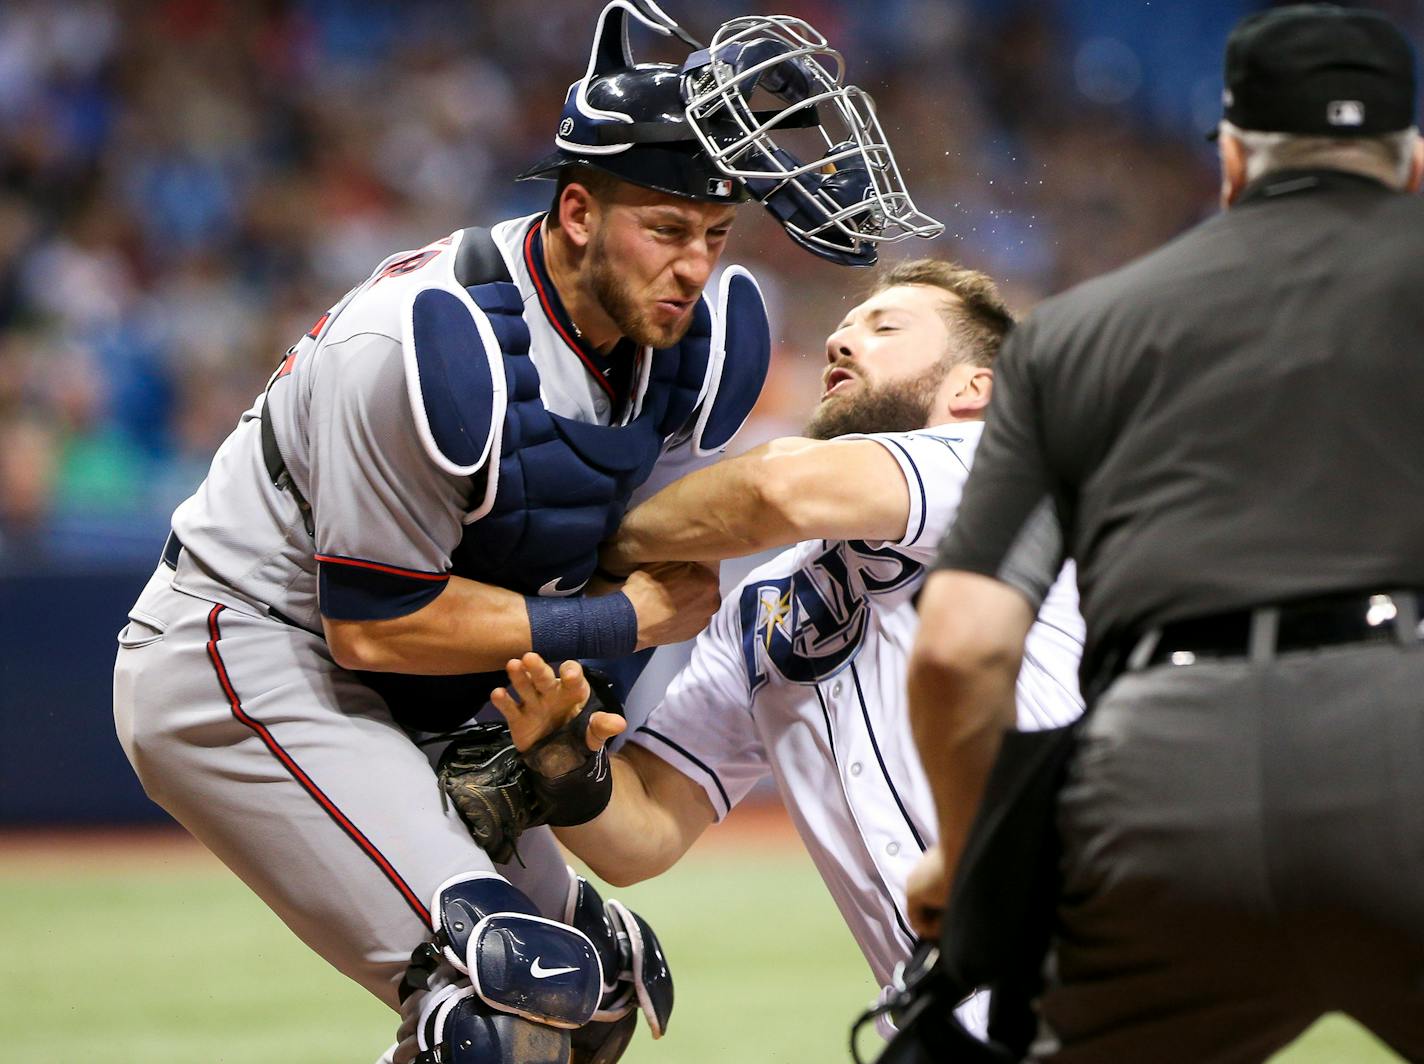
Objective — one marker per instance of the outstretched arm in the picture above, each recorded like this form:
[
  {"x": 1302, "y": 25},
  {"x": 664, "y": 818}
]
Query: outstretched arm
[
  {"x": 782, "y": 492},
  {"x": 655, "y": 814},
  {"x": 475, "y": 627}
]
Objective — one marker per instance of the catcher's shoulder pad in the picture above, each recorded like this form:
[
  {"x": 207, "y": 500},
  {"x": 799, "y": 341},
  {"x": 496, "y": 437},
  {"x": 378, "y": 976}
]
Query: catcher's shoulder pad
[
  {"x": 740, "y": 358},
  {"x": 454, "y": 339}
]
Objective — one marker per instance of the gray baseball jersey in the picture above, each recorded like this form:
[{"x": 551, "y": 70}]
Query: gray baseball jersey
[
  {"x": 801, "y": 676},
  {"x": 227, "y": 699},
  {"x": 390, "y": 507}
]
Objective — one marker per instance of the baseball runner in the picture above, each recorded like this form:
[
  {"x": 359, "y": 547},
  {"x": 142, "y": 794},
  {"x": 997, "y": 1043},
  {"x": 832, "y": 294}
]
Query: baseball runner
[
  {"x": 801, "y": 674},
  {"x": 419, "y": 495}
]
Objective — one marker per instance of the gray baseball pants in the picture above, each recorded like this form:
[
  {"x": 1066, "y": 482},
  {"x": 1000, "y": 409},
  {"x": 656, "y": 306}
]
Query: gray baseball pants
[
  {"x": 291, "y": 771},
  {"x": 1244, "y": 851}
]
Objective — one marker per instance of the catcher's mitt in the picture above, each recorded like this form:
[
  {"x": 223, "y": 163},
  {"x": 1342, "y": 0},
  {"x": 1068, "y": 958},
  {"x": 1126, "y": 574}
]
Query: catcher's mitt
[{"x": 490, "y": 787}]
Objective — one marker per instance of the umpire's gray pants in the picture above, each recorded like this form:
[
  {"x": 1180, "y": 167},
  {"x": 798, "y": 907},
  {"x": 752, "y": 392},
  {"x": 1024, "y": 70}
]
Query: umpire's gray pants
[{"x": 1244, "y": 850}]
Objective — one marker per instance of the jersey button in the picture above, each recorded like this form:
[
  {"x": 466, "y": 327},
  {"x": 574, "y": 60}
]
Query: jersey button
[
  {"x": 893, "y": 849},
  {"x": 836, "y": 689},
  {"x": 855, "y": 768},
  {"x": 600, "y": 406}
]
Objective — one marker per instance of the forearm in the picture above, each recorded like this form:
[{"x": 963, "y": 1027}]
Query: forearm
[
  {"x": 958, "y": 722},
  {"x": 780, "y": 493},
  {"x": 718, "y": 512},
  {"x": 639, "y": 834},
  {"x": 962, "y": 690},
  {"x": 468, "y": 627}
]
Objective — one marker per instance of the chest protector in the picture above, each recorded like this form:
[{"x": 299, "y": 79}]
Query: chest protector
[
  {"x": 563, "y": 485},
  {"x": 550, "y": 489}
]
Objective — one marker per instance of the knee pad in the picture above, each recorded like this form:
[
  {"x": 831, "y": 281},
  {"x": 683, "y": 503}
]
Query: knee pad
[
  {"x": 457, "y": 1027},
  {"x": 633, "y": 969},
  {"x": 598, "y": 1042},
  {"x": 509, "y": 960}
]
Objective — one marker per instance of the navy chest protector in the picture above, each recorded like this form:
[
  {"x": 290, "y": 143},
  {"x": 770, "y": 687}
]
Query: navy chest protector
[
  {"x": 551, "y": 489},
  {"x": 562, "y": 485}
]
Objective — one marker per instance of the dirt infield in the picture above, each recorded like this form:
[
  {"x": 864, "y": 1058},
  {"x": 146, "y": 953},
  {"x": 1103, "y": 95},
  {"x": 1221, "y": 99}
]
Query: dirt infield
[{"x": 164, "y": 849}]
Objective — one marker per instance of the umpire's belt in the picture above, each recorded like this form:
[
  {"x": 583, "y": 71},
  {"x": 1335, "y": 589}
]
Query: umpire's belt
[{"x": 1258, "y": 634}]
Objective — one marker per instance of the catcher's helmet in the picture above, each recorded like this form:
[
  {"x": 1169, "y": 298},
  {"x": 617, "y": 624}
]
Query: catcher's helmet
[
  {"x": 694, "y": 131},
  {"x": 628, "y": 119}
]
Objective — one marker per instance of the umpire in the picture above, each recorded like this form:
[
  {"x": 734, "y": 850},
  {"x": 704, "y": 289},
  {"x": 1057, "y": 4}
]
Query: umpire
[{"x": 1228, "y": 436}]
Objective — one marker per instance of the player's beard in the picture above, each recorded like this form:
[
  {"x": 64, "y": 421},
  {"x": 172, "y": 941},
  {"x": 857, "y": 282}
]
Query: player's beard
[
  {"x": 899, "y": 406},
  {"x": 618, "y": 302}
]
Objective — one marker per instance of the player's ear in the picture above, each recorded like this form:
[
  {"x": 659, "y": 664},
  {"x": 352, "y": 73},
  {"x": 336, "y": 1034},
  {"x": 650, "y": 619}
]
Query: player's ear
[
  {"x": 578, "y": 213},
  {"x": 1416, "y": 167},
  {"x": 1233, "y": 167},
  {"x": 972, "y": 387}
]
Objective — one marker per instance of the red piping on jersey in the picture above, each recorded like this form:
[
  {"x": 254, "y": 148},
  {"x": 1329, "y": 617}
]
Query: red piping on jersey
[
  {"x": 361, "y": 563},
  {"x": 546, "y": 303},
  {"x": 327, "y": 805}
]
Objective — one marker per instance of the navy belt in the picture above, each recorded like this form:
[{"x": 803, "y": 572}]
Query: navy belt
[
  {"x": 172, "y": 547},
  {"x": 1307, "y": 624}
]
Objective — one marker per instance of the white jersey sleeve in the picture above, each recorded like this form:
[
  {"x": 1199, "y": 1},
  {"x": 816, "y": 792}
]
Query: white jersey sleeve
[
  {"x": 1048, "y": 694},
  {"x": 935, "y": 463},
  {"x": 703, "y": 727}
]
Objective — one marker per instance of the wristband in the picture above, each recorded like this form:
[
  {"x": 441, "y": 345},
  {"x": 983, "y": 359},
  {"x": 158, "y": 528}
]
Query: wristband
[{"x": 602, "y": 626}]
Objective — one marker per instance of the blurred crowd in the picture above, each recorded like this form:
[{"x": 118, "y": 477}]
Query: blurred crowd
[{"x": 186, "y": 184}]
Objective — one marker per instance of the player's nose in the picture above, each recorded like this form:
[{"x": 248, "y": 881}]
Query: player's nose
[
  {"x": 694, "y": 266},
  {"x": 839, "y": 345}
]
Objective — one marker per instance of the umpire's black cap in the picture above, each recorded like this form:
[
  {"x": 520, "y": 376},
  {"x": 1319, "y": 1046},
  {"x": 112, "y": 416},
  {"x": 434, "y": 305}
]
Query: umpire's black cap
[{"x": 1319, "y": 70}]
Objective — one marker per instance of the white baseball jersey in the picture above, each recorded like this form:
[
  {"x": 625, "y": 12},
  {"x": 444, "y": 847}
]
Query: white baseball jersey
[{"x": 801, "y": 675}]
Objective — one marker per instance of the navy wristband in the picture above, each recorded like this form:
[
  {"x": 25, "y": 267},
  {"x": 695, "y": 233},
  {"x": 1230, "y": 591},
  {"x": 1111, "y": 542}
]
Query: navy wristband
[{"x": 601, "y": 626}]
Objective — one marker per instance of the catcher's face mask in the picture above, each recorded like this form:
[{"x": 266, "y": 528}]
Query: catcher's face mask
[
  {"x": 817, "y": 158},
  {"x": 761, "y": 110}
]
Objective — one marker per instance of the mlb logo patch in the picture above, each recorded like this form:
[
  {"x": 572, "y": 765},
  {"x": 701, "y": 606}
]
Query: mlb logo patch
[
  {"x": 1345, "y": 113},
  {"x": 719, "y": 186}
]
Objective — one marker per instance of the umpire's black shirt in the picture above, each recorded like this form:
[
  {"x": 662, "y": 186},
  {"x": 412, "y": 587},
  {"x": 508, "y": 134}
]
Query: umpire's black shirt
[{"x": 1235, "y": 420}]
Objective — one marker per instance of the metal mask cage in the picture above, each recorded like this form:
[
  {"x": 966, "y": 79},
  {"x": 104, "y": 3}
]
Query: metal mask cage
[{"x": 787, "y": 58}]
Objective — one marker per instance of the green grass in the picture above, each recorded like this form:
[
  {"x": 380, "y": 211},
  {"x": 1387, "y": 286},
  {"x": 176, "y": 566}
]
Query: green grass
[{"x": 178, "y": 964}]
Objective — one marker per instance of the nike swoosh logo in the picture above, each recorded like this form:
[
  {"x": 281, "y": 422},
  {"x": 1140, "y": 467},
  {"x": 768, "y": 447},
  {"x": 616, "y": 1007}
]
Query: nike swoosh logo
[
  {"x": 555, "y": 587},
  {"x": 538, "y": 971}
]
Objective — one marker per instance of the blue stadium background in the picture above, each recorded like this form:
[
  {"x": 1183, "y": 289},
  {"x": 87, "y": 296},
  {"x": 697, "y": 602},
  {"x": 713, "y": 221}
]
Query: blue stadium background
[{"x": 186, "y": 184}]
